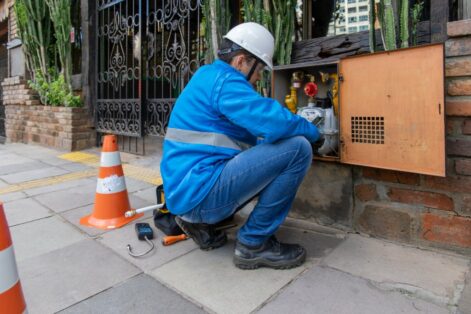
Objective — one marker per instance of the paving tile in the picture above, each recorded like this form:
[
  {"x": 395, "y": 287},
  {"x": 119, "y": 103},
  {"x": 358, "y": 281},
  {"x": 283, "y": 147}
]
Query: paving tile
[
  {"x": 24, "y": 210},
  {"x": 42, "y": 236},
  {"x": 74, "y": 166},
  {"x": 21, "y": 167},
  {"x": 141, "y": 294},
  {"x": 61, "y": 278},
  {"x": 213, "y": 280},
  {"x": 60, "y": 186},
  {"x": 33, "y": 151},
  {"x": 317, "y": 245},
  {"x": 74, "y": 215},
  {"x": 148, "y": 194},
  {"x": 60, "y": 201},
  {"x": 137, "y": 202},
  {"x": 151, "y": 162},
  {"x": 119, "y": 238},
  {"x": 396, "y": 267},
  {"x": 13, "y": 196},
  {"x": 42, "y": 173},
  {"x": 323, "y": 290},
  {"x": 134, "y": 185},
  {"x": 10, "y": 158},
  {"x": 54, "y": 160}
]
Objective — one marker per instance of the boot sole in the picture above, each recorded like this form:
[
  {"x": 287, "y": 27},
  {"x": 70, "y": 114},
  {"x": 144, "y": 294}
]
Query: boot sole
[
  {"x": 247, "y": 264},
  {"x": 214, "y": 245}
]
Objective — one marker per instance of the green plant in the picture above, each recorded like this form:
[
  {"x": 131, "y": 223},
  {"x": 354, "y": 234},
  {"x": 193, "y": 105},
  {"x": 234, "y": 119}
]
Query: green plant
[
  {"x": 37, "y": 20},
  {"x": 283, "y": 29},
  {"x": 404, "y": 23},
  {"x": 372, "y": 19},
  {"x": 217, "y": 19},
  {"x": 388, "y": 25},
  {"x": 416, "y": 13},
  {"x": 34, "y": 30},
  {"x": 279, "y": 17},
  {"x": 60, "y": 17},
  {"x": 407, "y": 26},
  {"x": 54, "y": 92}
]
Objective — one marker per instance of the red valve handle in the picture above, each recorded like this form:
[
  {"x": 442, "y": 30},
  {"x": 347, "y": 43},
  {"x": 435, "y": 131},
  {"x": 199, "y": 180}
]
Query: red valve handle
[{"x": 311, "y": 89}]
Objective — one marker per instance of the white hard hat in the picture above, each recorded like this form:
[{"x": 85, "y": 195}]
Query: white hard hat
[{"x": 254, "y": 38}]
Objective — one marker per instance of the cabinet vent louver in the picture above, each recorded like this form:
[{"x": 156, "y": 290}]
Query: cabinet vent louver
[{"x": 368, "y": 130}]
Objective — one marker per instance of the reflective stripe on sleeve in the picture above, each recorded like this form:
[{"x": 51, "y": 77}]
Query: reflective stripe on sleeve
[{"x": 204, "y": 138}]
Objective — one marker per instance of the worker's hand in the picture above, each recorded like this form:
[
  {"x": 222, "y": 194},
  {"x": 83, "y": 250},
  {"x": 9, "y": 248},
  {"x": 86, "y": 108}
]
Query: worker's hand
[{"x": 318, "y": 144}]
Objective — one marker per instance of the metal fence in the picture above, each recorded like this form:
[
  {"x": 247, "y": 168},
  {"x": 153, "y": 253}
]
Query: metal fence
[{"x": 147, "y": 50}]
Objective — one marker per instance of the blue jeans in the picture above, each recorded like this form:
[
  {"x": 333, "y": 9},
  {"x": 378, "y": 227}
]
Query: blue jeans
[{"x": 272, "y": 171}]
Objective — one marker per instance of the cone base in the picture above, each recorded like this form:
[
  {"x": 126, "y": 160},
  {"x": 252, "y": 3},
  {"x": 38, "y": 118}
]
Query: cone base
[{"x": 110, "y": 223}]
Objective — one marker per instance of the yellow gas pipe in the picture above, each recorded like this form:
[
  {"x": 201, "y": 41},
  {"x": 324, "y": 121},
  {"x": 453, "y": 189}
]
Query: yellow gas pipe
[
  {"x": 335, "y": 88},
  {"x": 291, "y": 100}
]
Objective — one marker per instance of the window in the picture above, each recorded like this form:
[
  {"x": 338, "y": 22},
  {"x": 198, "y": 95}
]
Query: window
[
  {"x": 363, "y": 8},
  {"x": 352, "y": 29},
  {"x": 342, "y": 30},
  {"x": 352, "y": 10},
  {"x": 364, "y": 27},
  {"x": 352, "y": 19},
  {"x": 363, "y": 18},
  {"x": 352, "y": 1},
  {"x": 361, "y": 0}
]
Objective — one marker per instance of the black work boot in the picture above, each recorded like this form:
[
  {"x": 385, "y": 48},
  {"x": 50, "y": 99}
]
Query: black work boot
[
  {"x": 272, "y": 254},
  {"x": 206, "y": 236}
]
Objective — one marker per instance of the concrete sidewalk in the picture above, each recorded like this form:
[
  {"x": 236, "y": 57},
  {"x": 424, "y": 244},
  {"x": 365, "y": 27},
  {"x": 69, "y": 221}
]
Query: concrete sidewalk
[{"x": 68, "y": 268}]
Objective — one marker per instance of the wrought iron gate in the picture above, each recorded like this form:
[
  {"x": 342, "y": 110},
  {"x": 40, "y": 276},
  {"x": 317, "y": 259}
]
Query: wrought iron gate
[{"x": 146, "y": 52}]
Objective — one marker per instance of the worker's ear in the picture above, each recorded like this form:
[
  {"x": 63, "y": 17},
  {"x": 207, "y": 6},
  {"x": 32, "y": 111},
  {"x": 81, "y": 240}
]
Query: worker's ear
[{"x": 238, "y": 62}]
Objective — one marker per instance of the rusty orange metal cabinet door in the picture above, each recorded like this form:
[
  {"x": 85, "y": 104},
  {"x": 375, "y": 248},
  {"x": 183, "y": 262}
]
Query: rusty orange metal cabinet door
[{"x": 392, "y": 112}]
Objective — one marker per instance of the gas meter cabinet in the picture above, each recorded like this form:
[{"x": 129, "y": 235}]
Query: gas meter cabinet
[{"x": 384, "y": 110}]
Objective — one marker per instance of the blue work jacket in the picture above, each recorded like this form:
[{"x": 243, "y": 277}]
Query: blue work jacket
[{"x": 218, "y": 115}]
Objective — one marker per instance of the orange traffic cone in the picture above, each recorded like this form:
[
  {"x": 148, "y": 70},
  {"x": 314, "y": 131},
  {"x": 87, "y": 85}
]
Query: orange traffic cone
[
  {"x": 111, "y": 200},
  {"x": 11, "y": 294}
]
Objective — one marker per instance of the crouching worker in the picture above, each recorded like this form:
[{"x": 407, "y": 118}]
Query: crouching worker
[{"x": 226, "y": 144}]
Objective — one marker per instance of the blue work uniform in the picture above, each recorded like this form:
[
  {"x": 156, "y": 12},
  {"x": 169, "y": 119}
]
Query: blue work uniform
[{"x": 218, "y": 115}]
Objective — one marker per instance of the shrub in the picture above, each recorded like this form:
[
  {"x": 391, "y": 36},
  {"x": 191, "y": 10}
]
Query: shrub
[{"x": 56, "y": 92}]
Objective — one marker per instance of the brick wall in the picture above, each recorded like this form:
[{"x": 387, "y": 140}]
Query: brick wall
[
  {"x": 27, "y": 121},
  {"x": 17, "y": 92},
  {"x": 427, "y": 210},
  {"x": 12, "y": 26}
]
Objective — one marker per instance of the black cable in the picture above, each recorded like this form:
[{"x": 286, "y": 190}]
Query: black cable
[{"x": 142, "y": 254}]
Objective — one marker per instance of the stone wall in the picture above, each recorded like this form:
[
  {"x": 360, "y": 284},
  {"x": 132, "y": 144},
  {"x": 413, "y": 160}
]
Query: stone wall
[
  {"x": 27, "y": 121},
  {"x": 417, "y": 209}
]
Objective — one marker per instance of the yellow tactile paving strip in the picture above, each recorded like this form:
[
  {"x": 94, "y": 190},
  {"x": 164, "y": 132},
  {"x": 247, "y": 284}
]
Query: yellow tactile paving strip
[
  {"x": 48, "y": 181},
  {"x": 83, "y": 158},
  {"x": 132, "y": 171}
]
